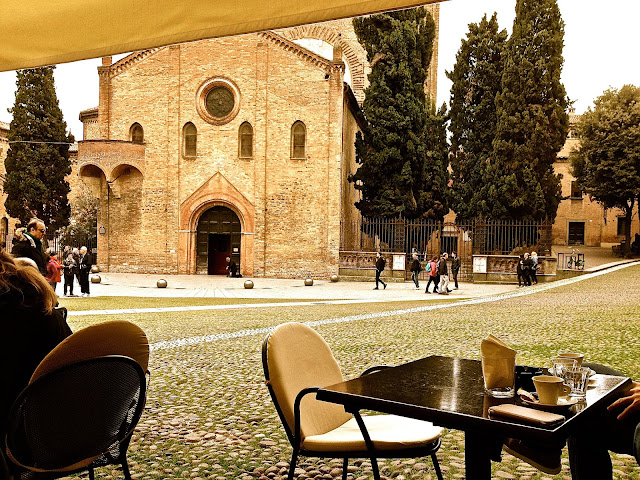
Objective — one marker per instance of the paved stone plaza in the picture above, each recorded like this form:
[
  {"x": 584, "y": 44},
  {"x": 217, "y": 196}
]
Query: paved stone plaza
[{"x": 209, "y": 414}]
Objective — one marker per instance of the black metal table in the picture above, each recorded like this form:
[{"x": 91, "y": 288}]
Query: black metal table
[{"x": 449, "y": 392}]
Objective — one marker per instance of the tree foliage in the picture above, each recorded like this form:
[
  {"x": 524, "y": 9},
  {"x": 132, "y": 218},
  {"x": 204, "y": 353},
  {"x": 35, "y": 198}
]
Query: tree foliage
[
  {"x": 84, "y": 214},
  {"x": 476, "y": 77},
  {"x": 532, "y": 122},
  {"x": 38, "y": 156},
  {"x": 607, "y": 162},
  {"x": 403, "y": 153}
]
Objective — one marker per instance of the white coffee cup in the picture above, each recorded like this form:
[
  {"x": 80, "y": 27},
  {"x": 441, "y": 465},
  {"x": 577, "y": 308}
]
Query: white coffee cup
[{"x": 549, "y": 388}]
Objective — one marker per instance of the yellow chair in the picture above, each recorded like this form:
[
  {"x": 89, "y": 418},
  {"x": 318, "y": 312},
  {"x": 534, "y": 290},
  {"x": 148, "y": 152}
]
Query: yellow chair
[
  {"x": 82, "y": 404},
  {"x": 297, "y": 362}
]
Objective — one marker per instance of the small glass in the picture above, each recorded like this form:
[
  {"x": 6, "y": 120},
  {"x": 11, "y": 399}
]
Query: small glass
[
  {"x": 578, "y": 379},
  {"x": 499, "y": 376},
  {"x": 561, "y": 366}
]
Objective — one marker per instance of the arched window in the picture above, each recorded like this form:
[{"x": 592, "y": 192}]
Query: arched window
[
  {"x": 245, "y": 140},
  {"x": 190, "y": 139},
  {"x": 136, "y": 133},
  {"x": 298, "y": 140}
]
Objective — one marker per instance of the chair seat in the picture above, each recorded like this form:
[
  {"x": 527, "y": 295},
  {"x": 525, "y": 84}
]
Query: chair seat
[{"x": 388, "y": 432}]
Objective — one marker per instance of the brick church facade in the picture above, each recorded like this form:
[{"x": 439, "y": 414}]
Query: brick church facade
[{"x": 238, "y": 147}]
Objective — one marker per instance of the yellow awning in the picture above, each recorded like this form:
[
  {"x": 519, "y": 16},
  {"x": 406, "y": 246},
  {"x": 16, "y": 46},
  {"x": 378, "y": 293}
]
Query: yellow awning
[{"x": 43, "y": 32}]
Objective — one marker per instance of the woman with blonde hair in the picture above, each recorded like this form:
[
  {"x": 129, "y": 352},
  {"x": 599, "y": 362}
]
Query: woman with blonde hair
[{"x": 30, "y": 327}]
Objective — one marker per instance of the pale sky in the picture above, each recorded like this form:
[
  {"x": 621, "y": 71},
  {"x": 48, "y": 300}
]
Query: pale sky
[{"x": 601, "y": 48}]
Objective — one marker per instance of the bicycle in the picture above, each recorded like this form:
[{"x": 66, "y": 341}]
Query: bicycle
[{"x": 575, "y": 261}]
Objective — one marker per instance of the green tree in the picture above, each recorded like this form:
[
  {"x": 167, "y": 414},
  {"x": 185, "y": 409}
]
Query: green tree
[
  {"x": 476, "y": 77},
  {"x": 403, "y": 161},
  {"x": 84, "y": 214},
  {"x": 607, "y": 162},
  {"x": 38, "y": 156},
  {"x": 532, "y": 119}
]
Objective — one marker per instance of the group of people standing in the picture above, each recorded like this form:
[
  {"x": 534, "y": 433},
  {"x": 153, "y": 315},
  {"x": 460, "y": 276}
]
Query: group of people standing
[
  {"x": 527, "y": 269},
  {"x": 76, "y": 263}
]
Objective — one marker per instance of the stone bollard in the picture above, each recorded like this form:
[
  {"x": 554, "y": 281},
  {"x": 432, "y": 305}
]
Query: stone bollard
[
  {"x": 334, "y": 278},
  {"x": 95, "y": 269},
  {"x": 248, "y": 284},
  {"x": 95, "y": 278},
  {"x": 308, "y": 282},
  {"x": 162, "y": 283}
]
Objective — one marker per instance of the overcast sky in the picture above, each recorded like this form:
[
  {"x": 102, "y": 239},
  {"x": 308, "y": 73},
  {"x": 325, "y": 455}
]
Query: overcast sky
[{"x": 601, "y": 49}]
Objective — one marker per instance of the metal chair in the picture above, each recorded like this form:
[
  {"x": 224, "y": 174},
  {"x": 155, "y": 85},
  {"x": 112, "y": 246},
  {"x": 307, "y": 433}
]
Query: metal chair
[
  {"x": 75, "y": 418},
  {"x": 297, "y": 362}
]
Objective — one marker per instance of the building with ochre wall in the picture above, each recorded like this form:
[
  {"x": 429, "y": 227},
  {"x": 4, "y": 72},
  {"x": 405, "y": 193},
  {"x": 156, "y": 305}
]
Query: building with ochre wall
[
  {"x": 580, "y": 220},
  {"x": 230, "y": 147},
  {"x": 240, "y": 146}
]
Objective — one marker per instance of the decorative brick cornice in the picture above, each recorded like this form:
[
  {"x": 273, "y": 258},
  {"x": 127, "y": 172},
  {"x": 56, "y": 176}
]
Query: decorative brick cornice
[
  {"x": 299, "y": 51},
  {"x": 130, "y": 60}
]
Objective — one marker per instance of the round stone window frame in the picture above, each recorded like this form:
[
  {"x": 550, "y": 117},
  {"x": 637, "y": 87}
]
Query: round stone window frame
[{"x": 201, "y": 100}]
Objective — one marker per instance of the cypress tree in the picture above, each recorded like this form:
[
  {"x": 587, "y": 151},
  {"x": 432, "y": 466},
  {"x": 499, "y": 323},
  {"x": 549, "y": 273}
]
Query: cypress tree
[
  {"x": 402, "y": 161},
  {"x": 532, "y": 120},
  {"x": 476, "y": 77},
  {"x": 38, "y": 156}
]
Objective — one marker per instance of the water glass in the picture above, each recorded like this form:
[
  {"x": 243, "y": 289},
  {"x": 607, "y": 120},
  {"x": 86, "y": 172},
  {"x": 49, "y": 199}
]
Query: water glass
[
  {"x": 561, "y": 365},
  {"x": 578, "y": 379}
]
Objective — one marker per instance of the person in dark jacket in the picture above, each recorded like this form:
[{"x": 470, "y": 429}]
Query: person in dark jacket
[
  {"x": 70, "y": 267},
  {"x": 527, "y": 265},
  {"x": 232, "y": 268},
  {"x": 455, "y": 268},
  {"x": 84, "y": 268},
  {"x": 520, "y": 270},
  {"x": 416, "y": 268},
  {"x": 30, "y": 328},
  {"x": 380, "y": 264},
  {"x": 28, "y": 244}
]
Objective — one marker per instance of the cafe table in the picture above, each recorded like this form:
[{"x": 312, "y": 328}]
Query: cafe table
[{"x": 449, "y": 392}]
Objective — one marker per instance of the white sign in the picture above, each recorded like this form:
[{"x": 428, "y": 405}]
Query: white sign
[
  {"x": 398, "y": 262},
  {"x": 479, "y": 264}
]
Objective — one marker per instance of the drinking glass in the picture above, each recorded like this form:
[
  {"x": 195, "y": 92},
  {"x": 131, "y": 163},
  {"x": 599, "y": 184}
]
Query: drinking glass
[
  {"x": 578, "y": 379},
  {"x": 561, "y": 366}
]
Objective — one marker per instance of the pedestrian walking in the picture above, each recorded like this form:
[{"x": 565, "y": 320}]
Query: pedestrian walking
[
  {"x": 526, "y": 269},
  {"x": 534, "y": 268},
  {"x": 520, "y": 270},
  {"x": 443, "y": 271},
  {"x": 70, "y": 269},
  {"x": 455, "y": 268},
  {"x": 433, "y": 275},
  {"x": 416, "y": 268},
  {"x": 380, "y": 264}
]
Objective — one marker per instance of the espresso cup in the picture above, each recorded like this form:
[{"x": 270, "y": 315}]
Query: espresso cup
[
  {"x": 549, "y": 388},
  {"x": 578, "y": 357}
]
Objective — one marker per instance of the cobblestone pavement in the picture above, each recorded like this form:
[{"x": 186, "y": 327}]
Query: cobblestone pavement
[{"x": 209, "y": 414}]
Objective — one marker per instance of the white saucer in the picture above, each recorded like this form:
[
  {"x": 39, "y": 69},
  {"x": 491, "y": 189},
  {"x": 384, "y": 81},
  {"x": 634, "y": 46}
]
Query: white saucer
[{"x": 563, "y": 404}]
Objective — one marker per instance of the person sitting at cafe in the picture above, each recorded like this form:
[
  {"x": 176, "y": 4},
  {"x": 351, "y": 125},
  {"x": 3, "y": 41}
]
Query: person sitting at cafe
[
  {"x": 30, "y": 327},
  {"x": 617, "y": 429}
]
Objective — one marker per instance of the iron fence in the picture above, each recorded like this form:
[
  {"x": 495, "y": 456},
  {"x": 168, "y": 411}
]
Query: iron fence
[{"x": 430, "y": 238}]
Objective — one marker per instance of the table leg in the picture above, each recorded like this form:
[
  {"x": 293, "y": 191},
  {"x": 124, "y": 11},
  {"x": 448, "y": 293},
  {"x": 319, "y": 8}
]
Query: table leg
[{"x": 478, "y": 451}]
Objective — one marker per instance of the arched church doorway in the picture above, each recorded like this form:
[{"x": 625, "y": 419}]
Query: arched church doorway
[{"x": 218, "y": 237}]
